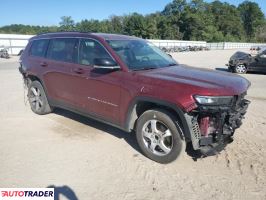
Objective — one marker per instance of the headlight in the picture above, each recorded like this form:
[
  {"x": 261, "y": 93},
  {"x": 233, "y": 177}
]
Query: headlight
[{"x": 214, "y": 100}]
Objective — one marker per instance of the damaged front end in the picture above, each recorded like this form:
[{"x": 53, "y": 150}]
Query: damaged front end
[{"x": 214, "y": 120}]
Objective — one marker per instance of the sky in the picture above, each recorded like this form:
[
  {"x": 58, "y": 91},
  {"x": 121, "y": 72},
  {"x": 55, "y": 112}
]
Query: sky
[{"x": 48, "y": 12}]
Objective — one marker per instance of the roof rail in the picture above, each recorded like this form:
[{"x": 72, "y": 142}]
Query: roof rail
[{"x": 63, "y": 32}]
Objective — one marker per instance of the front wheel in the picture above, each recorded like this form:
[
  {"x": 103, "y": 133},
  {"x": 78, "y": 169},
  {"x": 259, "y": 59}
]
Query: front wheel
[
  {"x": 240, "y": 69},
  {"x": 158, "y": 136}
]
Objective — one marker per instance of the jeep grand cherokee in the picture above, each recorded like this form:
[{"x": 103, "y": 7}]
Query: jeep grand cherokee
[{"x": 129, "y": 83}]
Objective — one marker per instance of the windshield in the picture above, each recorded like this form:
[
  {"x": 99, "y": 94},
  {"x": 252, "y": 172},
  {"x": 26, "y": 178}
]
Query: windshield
[{"x": 141, "y": 55}]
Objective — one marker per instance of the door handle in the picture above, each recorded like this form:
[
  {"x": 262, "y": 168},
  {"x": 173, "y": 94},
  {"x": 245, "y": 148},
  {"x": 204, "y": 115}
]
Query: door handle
[
  {"x": 43, "y": 64},
  {"x": 79, "y": 71}
]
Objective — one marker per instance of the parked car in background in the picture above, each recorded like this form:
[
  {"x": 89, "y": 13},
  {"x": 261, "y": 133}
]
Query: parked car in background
[
  {"x": 254, "y": 50},
  {"x": 129, "y": 83},
  {"x": 261, "y": 50},
  {"x": 4, "y": 53},
  {"x": 241, "y": 62}
]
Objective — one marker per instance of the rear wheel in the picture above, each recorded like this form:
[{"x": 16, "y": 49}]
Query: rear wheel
[
  {"x": 240, "y": 69},
  {"x": 158, "y": 136},
  {"x": 37, "y": 98}
]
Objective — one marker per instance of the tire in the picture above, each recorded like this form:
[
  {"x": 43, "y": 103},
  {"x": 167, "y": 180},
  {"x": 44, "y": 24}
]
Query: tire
[
  {"x": 159, "y": 136},
  {"x": 38, "y": 99},
  {"x": 241, "y": 69}
]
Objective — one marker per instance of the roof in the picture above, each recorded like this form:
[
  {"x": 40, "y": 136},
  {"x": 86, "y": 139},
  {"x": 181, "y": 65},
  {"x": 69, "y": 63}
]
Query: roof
[
  {"x": 105, "y": 36},
  {"x": 108, "y": 36}
]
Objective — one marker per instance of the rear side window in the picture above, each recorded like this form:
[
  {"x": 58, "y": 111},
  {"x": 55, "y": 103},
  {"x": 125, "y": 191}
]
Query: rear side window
[
  {"x": 39, "y": 47},
  {"x": 63, "y": 49}
]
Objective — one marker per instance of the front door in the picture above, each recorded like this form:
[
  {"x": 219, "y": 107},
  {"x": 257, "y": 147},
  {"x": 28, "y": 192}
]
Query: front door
[
  {"x": 261, "y": 64},
  {"x": 97, "y": 90}
]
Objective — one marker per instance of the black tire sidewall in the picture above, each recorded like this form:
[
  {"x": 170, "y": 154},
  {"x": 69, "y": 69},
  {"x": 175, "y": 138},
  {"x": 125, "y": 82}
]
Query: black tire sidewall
[{"x": 169, "y": 121}]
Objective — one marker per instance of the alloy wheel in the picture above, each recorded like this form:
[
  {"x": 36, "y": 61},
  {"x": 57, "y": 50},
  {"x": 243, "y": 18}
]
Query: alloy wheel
[
  {"x": 241, "y": 68},
  {"x": 157, "y": 137},
  {"x": 35, "y": 98}
]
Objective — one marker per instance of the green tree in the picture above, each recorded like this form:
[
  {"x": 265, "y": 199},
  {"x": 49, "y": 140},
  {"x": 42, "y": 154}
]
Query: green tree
[
  {"x": 174, "y": 8},
  {"x": 261, "y": 34},
  {"x": 252, "y": 18},
  {"x": 168, "y": 28},
  {"x": 195, "y": 21},
  {"x": 67, "y": 24},
  {"x": 180, "y": 19},
  {"x": 135, "y": 25},
  {"x": 93, "y": 26},
  {"x": 116, "y": 24},
  {"x": 226, "y": 18}
]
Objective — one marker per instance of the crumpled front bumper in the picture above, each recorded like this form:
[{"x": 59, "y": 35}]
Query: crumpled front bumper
[{"x": 212, "y": 127}]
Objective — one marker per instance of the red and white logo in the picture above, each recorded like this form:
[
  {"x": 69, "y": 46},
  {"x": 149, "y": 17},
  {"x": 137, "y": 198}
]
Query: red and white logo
[{"x": 26, "y": 193}]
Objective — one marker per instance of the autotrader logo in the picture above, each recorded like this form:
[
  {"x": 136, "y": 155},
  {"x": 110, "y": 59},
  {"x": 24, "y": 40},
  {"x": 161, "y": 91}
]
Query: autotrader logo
[{"x": 27, "y": 193}]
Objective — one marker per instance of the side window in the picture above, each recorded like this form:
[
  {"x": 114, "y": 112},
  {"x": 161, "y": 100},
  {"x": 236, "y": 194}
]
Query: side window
[
  {"x": 38, "y": 47},
  {"x": 63, "y": 49},
  {"x": 89, "y": 50}
]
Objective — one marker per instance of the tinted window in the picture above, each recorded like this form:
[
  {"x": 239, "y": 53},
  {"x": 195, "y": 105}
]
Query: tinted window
[
  {"x": 39, "y": 47},
  {"x": 63, "y": 49},
  {"x": 89, "y": 50}
]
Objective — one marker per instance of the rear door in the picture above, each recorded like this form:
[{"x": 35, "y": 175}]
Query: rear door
[
  {"x": 61, "y": 57},
  {"x": 36, "y": 58}
]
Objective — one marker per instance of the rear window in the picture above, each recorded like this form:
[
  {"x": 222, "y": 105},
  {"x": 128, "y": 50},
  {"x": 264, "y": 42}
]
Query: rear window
[
  {"x": 63, "y": 49},
  {"x": 39, "y": 47}
]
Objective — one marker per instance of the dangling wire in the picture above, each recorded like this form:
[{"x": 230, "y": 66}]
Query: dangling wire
[{"x": 25, "y": 91}]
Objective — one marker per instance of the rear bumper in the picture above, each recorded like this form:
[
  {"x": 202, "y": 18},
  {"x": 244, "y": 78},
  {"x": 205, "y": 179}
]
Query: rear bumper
[{"x": 213, "y": 127}]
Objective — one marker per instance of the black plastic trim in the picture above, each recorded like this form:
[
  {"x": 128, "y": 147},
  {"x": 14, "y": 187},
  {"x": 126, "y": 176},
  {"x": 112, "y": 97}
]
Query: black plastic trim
[{"x": 179, "y": 112}]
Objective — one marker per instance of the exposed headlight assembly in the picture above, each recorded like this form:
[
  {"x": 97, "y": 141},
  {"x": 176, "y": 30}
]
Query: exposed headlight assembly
[{"x": 214, "y": 100}]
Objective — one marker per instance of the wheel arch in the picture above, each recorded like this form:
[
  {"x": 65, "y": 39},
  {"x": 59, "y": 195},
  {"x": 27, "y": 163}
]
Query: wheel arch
[
  {"x": 141, "y": 104},
  {"x": 241, "y": 63},
  {"x": 32, "y": 77}
]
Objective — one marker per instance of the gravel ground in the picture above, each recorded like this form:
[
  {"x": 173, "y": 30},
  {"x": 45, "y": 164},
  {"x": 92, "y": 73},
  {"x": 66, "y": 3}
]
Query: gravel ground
[{"x": 84, "y": 159}]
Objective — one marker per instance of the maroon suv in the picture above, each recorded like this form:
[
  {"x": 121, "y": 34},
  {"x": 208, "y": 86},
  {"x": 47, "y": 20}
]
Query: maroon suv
[{"x": 129, "y": 83}]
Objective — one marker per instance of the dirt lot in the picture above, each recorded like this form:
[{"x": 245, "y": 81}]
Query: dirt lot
[{"x": 85, "y": 159}]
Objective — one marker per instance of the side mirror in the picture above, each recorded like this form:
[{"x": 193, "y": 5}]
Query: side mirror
[
  {"x": 170, "y": 55},
  {"x": 105, "y": 63}
]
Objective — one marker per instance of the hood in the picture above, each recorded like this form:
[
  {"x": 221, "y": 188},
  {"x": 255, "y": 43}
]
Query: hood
[
  {"x": 199, "y": 81},
  {"x": 240, "y": 55}
]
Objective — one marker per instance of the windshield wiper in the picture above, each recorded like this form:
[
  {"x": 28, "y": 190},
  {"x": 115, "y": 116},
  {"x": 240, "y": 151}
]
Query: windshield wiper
[
  {"x": 145, "y": 68},
  {"x": 171, "y": 64}
]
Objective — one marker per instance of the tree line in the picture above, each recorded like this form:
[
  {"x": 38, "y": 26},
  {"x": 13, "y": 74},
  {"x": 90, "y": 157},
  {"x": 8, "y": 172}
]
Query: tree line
[{"x": 181, "y": 20}]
